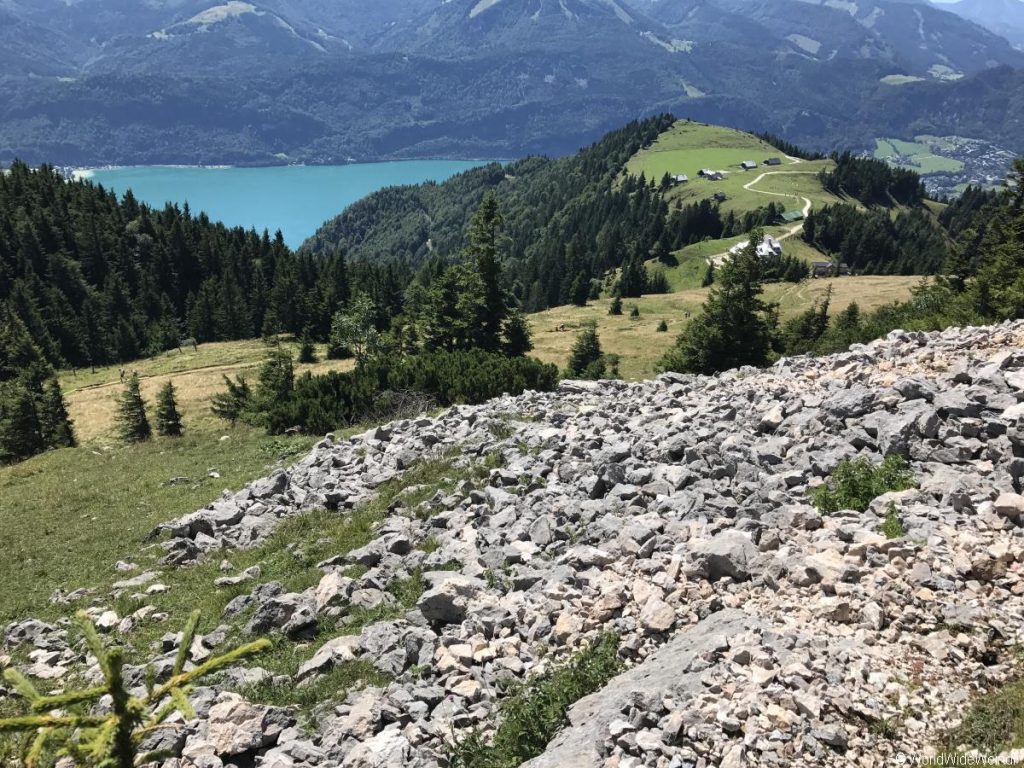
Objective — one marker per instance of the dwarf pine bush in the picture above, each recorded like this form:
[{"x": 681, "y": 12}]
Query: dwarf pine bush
[
  {"x": 536, "y": 709},
  {"x": 855, "y": 484}
]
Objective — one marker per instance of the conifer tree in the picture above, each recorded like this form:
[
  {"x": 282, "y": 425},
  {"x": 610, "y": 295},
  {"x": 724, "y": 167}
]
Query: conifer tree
[
  {"x": 55, "y": 424},
  {"x": 33, "y": 416},
  {"x": 734, "y": 328},
  {"x": 516, "y": 334},
  {"x": 579, "y": 291},
  {"x": 133, "y": 425},
  {"x": 615, "y": 308},
  {"x": 633, "y": 280},
  {"x": 20, "y": 433},
  {"x": 709, "y": 276},
  {"x": 307, "y": 349},
  {"x": 233, "y": 404},
  {"x": 586, "y": 359},
  {"x": 276, "y": 378},
  {"x": 168, "y": 420},
  {"x": 486, "y": 241},
  {"x": 72, "y": 727}
]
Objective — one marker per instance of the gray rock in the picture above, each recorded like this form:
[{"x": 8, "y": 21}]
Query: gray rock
[
  {"x": 1010, "y": 506},
  {"x": 448, "y": 602},
  {"x": 729, "y": 553}
]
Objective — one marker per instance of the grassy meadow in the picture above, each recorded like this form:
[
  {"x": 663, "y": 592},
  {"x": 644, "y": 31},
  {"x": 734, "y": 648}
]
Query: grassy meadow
[
  {"x": 688, "y": 147},
  {"x": 197, "y": 376},
  {"x": 641, "y": 345},
  {"x": 920, "y": 155},
  {"x": 69, "y": 515}
]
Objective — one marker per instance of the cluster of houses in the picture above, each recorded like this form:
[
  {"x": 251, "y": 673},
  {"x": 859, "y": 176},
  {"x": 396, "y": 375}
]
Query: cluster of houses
[
  {"x": 712, "y": 175},
  {"x": 768, "y": 248}
]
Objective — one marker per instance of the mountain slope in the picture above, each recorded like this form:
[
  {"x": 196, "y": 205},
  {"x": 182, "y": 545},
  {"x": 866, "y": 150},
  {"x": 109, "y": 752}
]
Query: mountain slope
[
  {"x": 1004, "y": 17},
  {"x": 199, "y": 81},
  {"x": 672, "y": 513},
  {"x": 911, "y": 37},
  {"x": 480, "y": 27}
]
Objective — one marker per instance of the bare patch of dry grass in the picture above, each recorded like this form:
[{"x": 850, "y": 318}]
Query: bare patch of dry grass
[
  {"x": 197, "y": 376},
  {"x": 639, "y": 343}
]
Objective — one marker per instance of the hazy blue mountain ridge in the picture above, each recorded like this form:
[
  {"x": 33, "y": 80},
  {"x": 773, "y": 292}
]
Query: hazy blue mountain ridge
[{"x": 196, "y": 81}]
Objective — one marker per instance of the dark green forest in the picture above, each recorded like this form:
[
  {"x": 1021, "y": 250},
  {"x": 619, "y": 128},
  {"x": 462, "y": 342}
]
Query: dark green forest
[
  {"x": 873, "y": 242},
  {"x": 873, "y": 182},
  {"x": 569, "y": 221},
  {"x": 98, "y": 280}
]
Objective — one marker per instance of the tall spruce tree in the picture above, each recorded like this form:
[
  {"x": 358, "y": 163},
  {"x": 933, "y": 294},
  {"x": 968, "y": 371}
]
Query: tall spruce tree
[
  {"x": 133, "y": 425},
  {"x": 735, "y": 327},
  {"x": 168, "y": 420},
  {"x": 586, "y": 361},
  {"x": 20, "y": 433},
  {"x": 55, "y": 424},
  {"x": 486, "y": 242},
  {"x": 33, "y": 416}
]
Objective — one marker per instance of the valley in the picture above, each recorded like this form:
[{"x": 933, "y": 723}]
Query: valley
[{"x": 948, "y": 164}]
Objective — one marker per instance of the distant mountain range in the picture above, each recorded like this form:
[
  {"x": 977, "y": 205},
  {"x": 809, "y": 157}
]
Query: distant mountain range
[
  {"x": 1004, "y": 17},
  {"x": 89, "y": 82}
]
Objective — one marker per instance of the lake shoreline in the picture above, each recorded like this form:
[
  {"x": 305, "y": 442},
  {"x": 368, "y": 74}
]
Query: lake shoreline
[
  {"x": 85, "y": 173},
  {"x": 294, "y": 199}
]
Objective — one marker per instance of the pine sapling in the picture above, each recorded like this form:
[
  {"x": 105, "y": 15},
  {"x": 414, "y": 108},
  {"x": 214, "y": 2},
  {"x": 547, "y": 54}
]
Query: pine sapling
[
  {"x": 168, "y": 420},
  {"x": 68, "y": 724},
  {"x": 133, "y": 425}
]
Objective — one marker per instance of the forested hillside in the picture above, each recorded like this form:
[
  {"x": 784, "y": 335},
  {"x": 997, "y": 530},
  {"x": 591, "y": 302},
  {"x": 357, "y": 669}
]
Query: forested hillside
[
  {"x": 567, "y": 220},
  {"x": 98, "y": 280},
  {"x": 572, "y": 220}
]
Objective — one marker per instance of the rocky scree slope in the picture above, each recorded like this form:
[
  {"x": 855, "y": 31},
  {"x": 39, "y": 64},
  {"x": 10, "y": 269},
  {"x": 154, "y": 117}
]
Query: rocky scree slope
[{"x": 673, "y": 512}]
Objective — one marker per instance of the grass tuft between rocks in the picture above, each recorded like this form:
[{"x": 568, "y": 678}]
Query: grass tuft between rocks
[
  {"x": 892, "y": 526},
  {"x": 536, "y": 709},
  {"x": 993, "y": 724}
]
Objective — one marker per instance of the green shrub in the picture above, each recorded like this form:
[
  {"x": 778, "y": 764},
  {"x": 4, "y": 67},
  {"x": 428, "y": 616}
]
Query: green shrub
[
  {"x": 535, "y": 709},
  {"x": 892, "y": 527},
  {"x": 471, "y": 376},
  {"x": 994, "y": 723},
  {"x": 855, "y": 484},
  {"x": 383, "y": 390}
]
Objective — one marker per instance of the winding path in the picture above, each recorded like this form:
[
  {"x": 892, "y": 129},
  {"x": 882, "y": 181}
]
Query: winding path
[{"x": 717, "y": 259}]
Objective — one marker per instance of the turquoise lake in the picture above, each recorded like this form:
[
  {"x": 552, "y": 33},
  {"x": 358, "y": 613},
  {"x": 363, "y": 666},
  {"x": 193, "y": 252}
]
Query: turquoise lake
[{"x": 294, "y": 199}]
